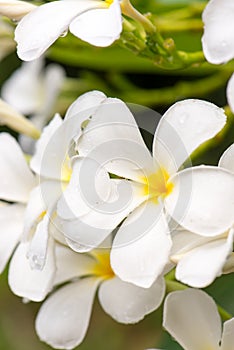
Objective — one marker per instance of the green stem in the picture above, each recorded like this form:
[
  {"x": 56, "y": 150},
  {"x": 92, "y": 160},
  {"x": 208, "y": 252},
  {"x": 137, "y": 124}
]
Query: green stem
[
  {"x": 183, "y": 89},
  {"x": 130, "y": 11}
]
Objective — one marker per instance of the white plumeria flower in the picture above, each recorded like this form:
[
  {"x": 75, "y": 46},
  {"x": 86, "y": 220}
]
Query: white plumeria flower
[
  {"x": 142, "y": 244},
  {"x": 218, "y": 35},
  {"x": 64, "y": 317},
  {"x": 192, "y": 318},
  {"x": 96, "y": 21},
  {"x": 201, "y": 259},
  {"x": 34, "y": 91},
  {"x": 25, "y": 222}
]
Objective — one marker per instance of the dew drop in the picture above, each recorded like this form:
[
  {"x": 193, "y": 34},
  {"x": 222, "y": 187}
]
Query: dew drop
[
  {"x": 183, "y": 118},
  {"x": 64, "y": 33},
  {"x": 223, "y": 43},
  {"x": 15, "y": 21}
]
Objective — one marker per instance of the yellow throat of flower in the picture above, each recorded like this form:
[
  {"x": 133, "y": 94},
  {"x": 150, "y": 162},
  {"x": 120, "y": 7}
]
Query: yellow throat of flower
[
  {"x": 109, "y": 2},
  {"x": 157, "y": 185},
  {"x": 102, "y": 268}
]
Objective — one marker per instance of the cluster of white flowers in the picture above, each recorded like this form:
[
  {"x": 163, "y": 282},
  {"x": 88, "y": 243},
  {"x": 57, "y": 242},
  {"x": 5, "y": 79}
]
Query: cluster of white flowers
[
  {"x": 91, "y": 208},
  {"x": 91, "y": 176}
]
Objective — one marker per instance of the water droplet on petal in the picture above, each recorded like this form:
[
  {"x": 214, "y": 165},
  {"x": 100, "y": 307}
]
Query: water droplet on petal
[
  {"x": 223, "y": 43},
  {"x": 183, "y": 118},
  {"x": 64, "y": 33}
]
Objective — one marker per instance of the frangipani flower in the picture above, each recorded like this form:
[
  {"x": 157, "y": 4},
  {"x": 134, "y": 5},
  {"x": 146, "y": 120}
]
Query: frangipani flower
[
  {"x": 26, "y": 224},
  {"x": 201, "y": 259},
  {"x": 192, "y": 318},
  {"x": 95, "y": 21},
  {"x": 32, "y": 91},
  {"x": 147, "y": 185},
  {"x": 64, "y": 317},
  {"x": 218, "y": 35}
]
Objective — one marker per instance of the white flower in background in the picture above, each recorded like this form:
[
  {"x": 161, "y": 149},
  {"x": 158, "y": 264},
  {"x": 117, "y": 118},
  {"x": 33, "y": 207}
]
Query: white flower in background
[
  {"x": 95, "y": 21},
  {"x": 64, "y": 317},
  {"x": 146, "y": 185},
  {"x": 15, "y": 9},
  {"x": 201, "y": 259},
  {"x": 218, "y": 38},
  {"x": 32, "y": 90},
  {"x": 192, "y": 319}
]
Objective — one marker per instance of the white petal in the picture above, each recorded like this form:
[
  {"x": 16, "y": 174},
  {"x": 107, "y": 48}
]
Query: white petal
[
  {"x": 63, "y": 319},
  {"x": 113, "y": 139},
  {"x": 184, "y": 241},
  {"x": 42, "y": 199},
  {"x": 199, "y": 267},
  {"x": 230, "y": 92},
  {"x": 27, "y": 283},
  {"x": 217, "y": 40},
  {"x": 71, "y": 265},
  {"x": 89, "y": 185},
  {"x": 227, "y": 159},
  {"x": 89, "y": 230},
  {"x": 22, "y": 89},
  {"x": 141, "y": 247},
  {"x": 15, "y": 9},
  {"x": 11, "y": 223},
  {"x": 85, "y": 105},
  {"x": 16, "y": 179},
  {"x": 184, "y": 127},
  {"x": 127, "y": 303},
  {"x": 193, "y": 201},
  {"x": 105, "y": 29},
  {"x": 191, "y": 317},
  {"x": 43, "y": 146},
  {"x": 227, "y": 342},
  {"x": 41, "y": 27},
  {"x": 39, "y": 244}
]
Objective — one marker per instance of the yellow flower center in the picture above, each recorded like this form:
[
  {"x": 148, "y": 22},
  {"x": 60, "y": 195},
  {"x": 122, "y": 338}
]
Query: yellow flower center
[
  {"x": 103, "y": 267},
  {"x": 157, "y": 185},
  {"x": 66, "y": 170},
  {"x": 109, "y": 2}
]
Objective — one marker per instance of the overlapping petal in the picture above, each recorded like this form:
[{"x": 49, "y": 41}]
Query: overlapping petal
[
  {"x": 16, "y": 179},
  {"x": 89, "y": 230},
  {"x": 184, "y": 127},
  {"x": 217, "y": 40},
  {"x": 228, "y": 335},
  {"x": 202, "y": 200},
  {"x": 41, "y": 27},
  {"x": 27, "y": 283},
  {"x": 63, "y": 319},
  {"x": 192, "y": 318},
  {"x": 127, "y": 303},
  {"x": 105, "y": 29},
  {"x": 11, "y": 223},
  {"x": 113, "y": 139},
  {"x": 227, "y": 159},
  {"x": 200, "y": 266},
  {"x": 141, "y": 247}
]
